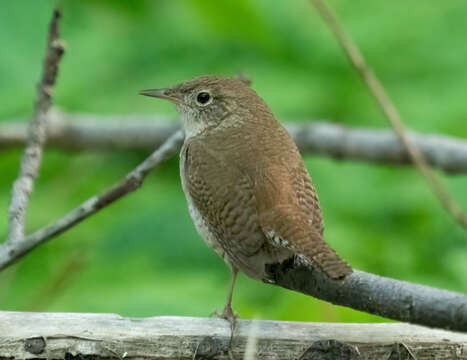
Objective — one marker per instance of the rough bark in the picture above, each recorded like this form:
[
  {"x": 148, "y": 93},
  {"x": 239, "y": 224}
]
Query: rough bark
[{"x": 93, "y": 336}]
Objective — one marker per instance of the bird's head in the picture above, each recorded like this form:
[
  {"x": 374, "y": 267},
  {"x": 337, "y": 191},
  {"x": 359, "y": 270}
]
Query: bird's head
[{"x": 207, "y": 102}]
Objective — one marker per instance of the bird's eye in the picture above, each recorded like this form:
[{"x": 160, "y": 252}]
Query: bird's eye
[{"x": 203, "y": 98}]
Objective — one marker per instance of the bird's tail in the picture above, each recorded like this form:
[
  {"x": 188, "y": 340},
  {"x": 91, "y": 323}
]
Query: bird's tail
[
  {"x": 324, "y": 256},
  {"x": 285, "y": 228}
]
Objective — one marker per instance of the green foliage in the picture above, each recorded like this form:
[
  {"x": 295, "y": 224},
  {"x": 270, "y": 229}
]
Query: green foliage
[{"x": 142, "y": 256}]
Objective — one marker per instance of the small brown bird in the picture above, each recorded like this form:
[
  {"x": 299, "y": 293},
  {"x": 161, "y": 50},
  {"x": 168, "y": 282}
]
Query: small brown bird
[{"x": 247, "y": 188}]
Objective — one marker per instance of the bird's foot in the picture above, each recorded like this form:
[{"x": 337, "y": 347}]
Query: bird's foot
[
  {"x": 231, "y": 317},
  {"x": 228, "y": 315}
]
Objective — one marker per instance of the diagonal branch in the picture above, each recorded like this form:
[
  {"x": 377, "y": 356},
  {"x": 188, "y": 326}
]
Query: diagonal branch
[
  {"x": 390, "y": 111},
  {"x": 89, "y": 132},
  {"x": 31, "y": 161},
  {"x": 10, "y": 252}
]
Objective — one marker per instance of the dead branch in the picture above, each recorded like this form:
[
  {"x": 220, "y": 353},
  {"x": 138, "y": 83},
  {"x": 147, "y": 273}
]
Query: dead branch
[
  {"x": 390, "y": 111},
  {"x": 104, "y": 336},
  {"x": 10, "y": 252},
  {"x": 31, "y": 160},
  {"x": 87, "y": 132}
]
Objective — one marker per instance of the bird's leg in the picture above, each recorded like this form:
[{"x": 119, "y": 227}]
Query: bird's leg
[{"x": 228, "y": 314}]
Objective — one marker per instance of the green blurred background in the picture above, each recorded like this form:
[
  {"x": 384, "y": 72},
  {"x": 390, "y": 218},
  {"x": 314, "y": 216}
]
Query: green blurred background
[{"x": 142, "y": 256}]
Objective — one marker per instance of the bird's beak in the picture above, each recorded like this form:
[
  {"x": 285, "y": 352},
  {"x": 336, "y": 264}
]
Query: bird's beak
[{"x": 158, "y": 93}]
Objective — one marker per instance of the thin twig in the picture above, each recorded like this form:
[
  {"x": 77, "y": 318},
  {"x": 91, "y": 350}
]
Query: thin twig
[
  {"x": 90, "y": 132},
  {"x": 390, "y": 111},
  {"x": 10, "y": 252},
  {"x": 31, "y": 160}
]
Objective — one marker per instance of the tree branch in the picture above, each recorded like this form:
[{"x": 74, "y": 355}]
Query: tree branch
[
  {"x": 31, "y": 161},
  {"x": 104, "y": 336},
  {"x": 390, "y": 111},
  {"x": 88, "y": 132},
  {"x": 10, "y": 252},
  {"x": 393, "y": 299}
]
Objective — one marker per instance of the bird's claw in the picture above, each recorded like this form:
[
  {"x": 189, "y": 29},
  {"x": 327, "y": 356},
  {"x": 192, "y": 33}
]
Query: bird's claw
[{"x": 229, "y": 316}]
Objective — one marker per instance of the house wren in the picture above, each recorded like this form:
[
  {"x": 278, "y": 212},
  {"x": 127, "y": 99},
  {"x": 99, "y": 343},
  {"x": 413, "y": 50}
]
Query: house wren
[{"x": 248, "y": 191}]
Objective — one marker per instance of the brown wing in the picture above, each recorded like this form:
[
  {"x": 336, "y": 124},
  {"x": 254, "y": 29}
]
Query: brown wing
[{"x": 290, "y": 215}]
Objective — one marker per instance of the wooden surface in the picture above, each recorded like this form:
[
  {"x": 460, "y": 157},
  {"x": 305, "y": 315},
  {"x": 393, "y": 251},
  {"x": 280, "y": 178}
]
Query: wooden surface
[{"x": 88, "y": 336}]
